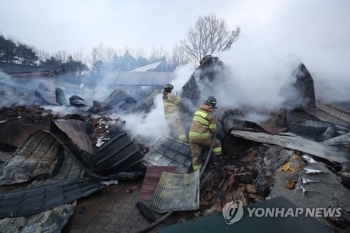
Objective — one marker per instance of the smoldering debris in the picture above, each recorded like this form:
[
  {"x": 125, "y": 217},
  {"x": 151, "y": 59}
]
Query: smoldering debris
[{"x": 264, "y": 148}]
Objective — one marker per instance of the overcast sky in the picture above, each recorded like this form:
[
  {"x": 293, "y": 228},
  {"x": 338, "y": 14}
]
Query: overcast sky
[{"x": 70, "y": 25}]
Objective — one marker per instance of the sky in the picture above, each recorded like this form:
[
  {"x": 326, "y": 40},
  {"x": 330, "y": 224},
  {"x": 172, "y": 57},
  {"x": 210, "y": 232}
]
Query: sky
[{"x": 70, "y": 25}]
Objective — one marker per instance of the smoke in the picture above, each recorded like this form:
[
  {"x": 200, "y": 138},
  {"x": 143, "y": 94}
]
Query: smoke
[
  {"x": 315, "y": 31},
  {"x": 147, "y": 129}
]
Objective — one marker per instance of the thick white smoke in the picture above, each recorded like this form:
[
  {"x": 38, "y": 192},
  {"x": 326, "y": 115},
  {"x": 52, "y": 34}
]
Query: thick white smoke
[{"x": 147, "y": 129}]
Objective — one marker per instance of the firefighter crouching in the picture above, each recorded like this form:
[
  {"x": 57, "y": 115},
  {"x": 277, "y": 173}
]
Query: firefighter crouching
[
  {"x": 171, "y": 107},
  {"x": 202, "y": 128}
]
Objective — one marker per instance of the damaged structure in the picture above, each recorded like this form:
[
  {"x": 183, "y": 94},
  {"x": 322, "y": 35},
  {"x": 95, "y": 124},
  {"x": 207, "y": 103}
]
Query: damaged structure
[{"x": 297, "y": 158}]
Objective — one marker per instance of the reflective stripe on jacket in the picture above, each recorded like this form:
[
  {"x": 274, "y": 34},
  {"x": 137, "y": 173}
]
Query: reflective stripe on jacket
[
  {"x": 171, "y": 103},
  {"x": 203, "y": 123}
]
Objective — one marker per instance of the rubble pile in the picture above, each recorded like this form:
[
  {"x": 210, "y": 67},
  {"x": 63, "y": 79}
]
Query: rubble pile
[{"x": 301, "y": 154}]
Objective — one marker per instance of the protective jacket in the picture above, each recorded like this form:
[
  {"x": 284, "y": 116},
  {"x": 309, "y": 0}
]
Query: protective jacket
[
  {"x": 171, "y": 104},
  {"x": 204, "y": 123}
]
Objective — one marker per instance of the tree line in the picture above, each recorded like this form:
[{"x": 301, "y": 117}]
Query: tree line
[{"x": 208, "y": 35}]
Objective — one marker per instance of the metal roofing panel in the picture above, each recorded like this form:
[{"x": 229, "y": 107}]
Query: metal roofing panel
[
  {"x": 49, "y": 221},
  {"x": 342, "y": 115},
  {"x": 160, "y": 79},
  {"x": 38, "y": 156},
  {"x": 75, "y": 130},
  {"x": 176, "y": 192},
  {"x": 291, "y": 141},
  {"x": 324, "y": 116},
  {"x": 147, "y": 78},
  {"x": 135, "y": 78},
  {"x": 147, "y": 67},
  {"x": 109, "y": 172},
  {"x": 45, "y": 197},
  {"x": 168, "y": 152},
  {"x": 122, "y": 78},
  {"x": 117, "y": 154}
]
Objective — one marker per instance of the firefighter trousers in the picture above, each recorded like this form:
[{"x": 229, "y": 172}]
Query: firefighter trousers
[
  {"x": 196, "y": 149},
  {"x": 176, "y": 124}
]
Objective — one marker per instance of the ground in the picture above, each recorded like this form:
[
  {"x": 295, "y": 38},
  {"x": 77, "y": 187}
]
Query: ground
[{"x": 110, "y": 210}]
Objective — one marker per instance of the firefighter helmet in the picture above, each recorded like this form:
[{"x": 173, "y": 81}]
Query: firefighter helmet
[
  {"x": 210, "y": 100},
  {"x": 168, "y": 87}
]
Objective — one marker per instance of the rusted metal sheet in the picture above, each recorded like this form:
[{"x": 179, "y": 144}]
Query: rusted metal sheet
[
  {"x": 291, "y": 141},
  {"x": 176, "y": 192},
  {"x": 37, "y": 157},
  {"x": 151, "y": 180},
  {"x": 75, "y": 130}
]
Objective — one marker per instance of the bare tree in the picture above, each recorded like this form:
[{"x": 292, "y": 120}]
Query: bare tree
[
  {"x": 42, "y": 56},
  {"x": 109, "y": 53},
  {"x": 79, "y": 55},
  {"x": 179, "y": 56},
  {"x": 62, "y": 56},
  {"x": 209, "y": 35}
]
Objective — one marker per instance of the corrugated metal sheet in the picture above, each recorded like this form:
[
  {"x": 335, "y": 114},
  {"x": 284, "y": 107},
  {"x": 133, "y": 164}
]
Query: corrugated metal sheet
[
  {"x": 49, "y": 221},
  {"x": 151, "y": 180},
  {"x": 37, "y": 157},
  {"x": 45, "y": 197},
  {"x": 52, "y": 220},
  {"x": 115, "y": 159},
  {"x": 119, "y": 154},
  {"x": 168, "y": 152},
  {"x": 75, "y": 130},
  {"x": 176, "y": 192},
  {"x": 291, "y": 141}
]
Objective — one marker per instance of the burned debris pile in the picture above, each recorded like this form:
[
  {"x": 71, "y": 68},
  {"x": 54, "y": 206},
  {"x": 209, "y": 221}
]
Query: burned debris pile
[{"x": 296, "y": 156}]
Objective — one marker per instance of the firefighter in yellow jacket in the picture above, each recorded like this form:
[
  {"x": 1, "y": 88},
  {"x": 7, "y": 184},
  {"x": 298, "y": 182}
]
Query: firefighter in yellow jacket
[
  {"x": 171, "y": 107},
  {"x": 202, "y": 127}
]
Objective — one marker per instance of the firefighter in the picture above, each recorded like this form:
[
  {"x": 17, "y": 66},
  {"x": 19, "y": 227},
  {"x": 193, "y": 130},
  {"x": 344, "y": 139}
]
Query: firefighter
[
  {"x": 202, "y": 128},
  {"x": 171, "y": 106}
]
